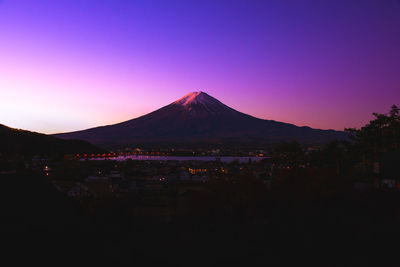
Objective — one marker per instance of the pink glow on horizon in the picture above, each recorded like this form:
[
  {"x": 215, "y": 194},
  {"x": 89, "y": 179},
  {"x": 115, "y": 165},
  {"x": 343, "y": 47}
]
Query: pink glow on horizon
[{"x": 74, "y": 65}]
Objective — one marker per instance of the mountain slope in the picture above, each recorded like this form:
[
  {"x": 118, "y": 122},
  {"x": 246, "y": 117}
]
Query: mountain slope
[
  {"x": 199, "y": 118},
  {"x": 13, "y": 141}
]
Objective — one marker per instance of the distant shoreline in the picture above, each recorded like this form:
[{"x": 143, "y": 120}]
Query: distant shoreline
[{"x": 180, "y": 158}]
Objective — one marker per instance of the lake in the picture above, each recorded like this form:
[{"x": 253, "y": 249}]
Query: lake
[{"x": 178, "y": 158}]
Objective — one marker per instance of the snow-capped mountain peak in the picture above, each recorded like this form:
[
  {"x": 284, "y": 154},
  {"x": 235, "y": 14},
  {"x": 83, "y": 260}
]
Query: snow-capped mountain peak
[
  {"x": 201, "y": 103},
  {"x": 201, "y": 119},
  {"x": 194, "y": 98}
]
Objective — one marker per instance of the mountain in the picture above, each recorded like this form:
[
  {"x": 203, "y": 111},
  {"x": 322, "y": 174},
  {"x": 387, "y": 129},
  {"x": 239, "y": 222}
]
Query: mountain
[
  {"x": 198, "y": 118},
  {"x": 21, "y": 142}
]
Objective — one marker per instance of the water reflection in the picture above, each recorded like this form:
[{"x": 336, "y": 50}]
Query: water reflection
[{"x": 177, "y": 158}]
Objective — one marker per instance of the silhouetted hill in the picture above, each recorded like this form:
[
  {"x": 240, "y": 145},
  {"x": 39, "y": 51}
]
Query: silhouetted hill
[
  {"x": 21, "y": 142},
  {"x": 200, "y": 118}
]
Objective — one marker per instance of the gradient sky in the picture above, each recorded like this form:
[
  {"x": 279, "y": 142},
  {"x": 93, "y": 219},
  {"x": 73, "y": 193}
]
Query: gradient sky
[{"x": 74, "y": 64}]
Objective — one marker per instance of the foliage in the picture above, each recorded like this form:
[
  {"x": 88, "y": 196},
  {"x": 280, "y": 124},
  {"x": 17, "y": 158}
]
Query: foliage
[
  {"x": 376, "y": 146},
  {"x": 330, "y": 156},
  {"x": 290, "y": 153},
  {"x": 379, "y": 135},
  {"x": 25, "y": 143}
]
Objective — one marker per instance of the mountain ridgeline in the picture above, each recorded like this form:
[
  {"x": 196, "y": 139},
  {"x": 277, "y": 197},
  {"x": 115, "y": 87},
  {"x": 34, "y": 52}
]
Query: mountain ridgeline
[
  {"x": 21, "y": 142},
  {"x": 198, "y": 118}
]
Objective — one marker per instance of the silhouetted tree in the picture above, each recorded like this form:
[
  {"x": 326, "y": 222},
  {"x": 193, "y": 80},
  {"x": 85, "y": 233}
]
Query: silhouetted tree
[
  {"x": 378, "y": 143},
  {"x": 380, "y": 134},
  {"x": 290, "y": 153},
  {"x": 331, "y": 156}
]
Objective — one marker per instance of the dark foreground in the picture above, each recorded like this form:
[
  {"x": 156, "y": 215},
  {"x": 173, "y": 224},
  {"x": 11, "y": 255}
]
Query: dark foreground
[{"x": 301, "y": 223}]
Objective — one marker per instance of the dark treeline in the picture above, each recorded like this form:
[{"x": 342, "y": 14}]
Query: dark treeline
[
  {"x": 371, "y": 152},
  {"x": 17, "y": 143}
]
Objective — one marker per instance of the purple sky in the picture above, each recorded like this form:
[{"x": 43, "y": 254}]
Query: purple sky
[{"x": 69, "y": 65}]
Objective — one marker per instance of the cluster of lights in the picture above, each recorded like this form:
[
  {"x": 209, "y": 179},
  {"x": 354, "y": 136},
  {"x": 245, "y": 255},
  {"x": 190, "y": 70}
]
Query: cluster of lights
[
  {"x": 113, "y": 155},
  {"x": 46, "y": 170},
  {"x": 194, "y": 171}
]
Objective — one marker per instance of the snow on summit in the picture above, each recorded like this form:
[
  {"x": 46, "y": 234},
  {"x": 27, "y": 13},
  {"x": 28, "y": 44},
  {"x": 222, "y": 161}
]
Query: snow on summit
[
  {"x": 199, "y": 102},
  {"x": 193, "y": 98}
]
